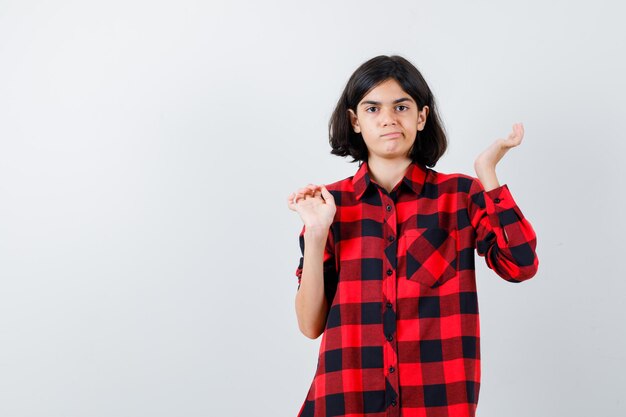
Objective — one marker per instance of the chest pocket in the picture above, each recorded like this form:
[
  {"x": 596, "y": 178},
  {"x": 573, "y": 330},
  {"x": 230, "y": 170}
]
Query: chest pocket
[{"x": 431, "y": 255}]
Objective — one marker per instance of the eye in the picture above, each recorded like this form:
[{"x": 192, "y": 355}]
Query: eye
[{"x": 367, "y": 110}]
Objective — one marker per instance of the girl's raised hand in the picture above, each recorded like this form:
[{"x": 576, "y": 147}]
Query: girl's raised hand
[
  {"x": 315, "y": 205},
  {"x": 488, "y": 159}
]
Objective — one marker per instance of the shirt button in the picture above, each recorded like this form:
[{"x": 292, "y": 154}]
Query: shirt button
[
  {"x": 389, "y": 272},
  {"x": 388, "y": 208},
  {"x": 389, "y": 305},
  {"x": 391, "y": 369},
  {"x": 390, "y": 238},
  {"x": 496, "y": 200},
  {"x": 389, "y": 337},
  {"x": 393, "y": 402}
]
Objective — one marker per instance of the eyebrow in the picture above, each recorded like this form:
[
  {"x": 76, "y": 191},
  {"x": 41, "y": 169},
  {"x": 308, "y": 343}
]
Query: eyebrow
[{"x": 399, "y": 100}]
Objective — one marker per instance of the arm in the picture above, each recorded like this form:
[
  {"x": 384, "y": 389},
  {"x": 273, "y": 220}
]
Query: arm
[
  {"x": 316, "y": 280},
  {"x": 504, "y": 236}
]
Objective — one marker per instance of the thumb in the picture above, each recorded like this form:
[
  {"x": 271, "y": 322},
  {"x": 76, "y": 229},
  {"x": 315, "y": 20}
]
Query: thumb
[{"x": 328, "y": 197}]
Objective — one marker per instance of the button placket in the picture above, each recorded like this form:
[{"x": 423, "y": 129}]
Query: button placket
[
  {"x": 389, "y": 292},
  {"x": 389, "y": 317}
]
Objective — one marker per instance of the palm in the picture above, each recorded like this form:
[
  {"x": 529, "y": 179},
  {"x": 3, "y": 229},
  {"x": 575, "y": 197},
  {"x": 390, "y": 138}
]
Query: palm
[{"x": 494, "y": 153}]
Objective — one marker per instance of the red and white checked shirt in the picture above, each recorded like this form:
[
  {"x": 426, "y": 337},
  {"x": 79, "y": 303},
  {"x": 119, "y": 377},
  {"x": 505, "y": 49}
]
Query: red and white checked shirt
[{"x": 402, "y": 335}]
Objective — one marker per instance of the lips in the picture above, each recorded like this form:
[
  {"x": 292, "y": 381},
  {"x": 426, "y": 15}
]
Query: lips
[{"x": 392, "y": 134}]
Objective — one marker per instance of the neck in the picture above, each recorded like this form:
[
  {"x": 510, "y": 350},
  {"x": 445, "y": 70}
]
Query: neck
[{"x": 387, "y": 172}]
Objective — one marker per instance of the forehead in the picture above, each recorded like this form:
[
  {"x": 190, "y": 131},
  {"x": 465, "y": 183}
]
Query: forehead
[{"x": 388, "y": 91}]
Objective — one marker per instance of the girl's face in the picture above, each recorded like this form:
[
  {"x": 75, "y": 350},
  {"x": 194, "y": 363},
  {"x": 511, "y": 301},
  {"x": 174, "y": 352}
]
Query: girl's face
[{"x": 387, "y": 108}]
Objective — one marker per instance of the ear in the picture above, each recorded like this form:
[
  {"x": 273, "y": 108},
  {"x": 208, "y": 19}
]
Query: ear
[
  {"x": 354, "y": 121},
  {"x": 421, "y": 118}
]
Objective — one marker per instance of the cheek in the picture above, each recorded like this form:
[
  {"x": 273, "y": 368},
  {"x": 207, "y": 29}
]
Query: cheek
[{"x": 368, "y": 141}]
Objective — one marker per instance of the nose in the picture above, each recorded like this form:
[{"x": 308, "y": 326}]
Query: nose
[{"x": 388, "y": 117}]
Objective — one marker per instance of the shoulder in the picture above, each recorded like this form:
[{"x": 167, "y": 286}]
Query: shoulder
[
  {"x": 342, "y": 191},
  {"x": 340, "y": 185},
  {"x": 457, "y": 181}
]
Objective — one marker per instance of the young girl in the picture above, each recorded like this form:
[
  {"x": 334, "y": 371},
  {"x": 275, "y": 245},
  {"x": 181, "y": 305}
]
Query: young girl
[{"x": 387, "y": 269}]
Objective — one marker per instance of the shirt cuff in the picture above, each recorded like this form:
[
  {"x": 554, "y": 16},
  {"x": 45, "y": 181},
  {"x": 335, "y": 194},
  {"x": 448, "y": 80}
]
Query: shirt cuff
[{"x": 502, "y": 209}]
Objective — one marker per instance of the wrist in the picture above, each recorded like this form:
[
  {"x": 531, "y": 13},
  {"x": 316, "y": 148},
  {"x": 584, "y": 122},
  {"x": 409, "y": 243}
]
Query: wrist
[
  {"x": 487, "y": 176},
  {"x": 316, "y": 232}
]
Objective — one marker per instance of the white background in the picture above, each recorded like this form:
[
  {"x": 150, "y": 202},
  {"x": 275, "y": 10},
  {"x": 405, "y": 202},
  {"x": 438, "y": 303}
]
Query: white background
[{"x": 147, "y": 148}]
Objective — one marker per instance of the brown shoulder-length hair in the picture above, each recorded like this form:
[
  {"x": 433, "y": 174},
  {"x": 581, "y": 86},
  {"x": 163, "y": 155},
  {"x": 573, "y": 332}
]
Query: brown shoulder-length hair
[{"x": 430, "y": 143}]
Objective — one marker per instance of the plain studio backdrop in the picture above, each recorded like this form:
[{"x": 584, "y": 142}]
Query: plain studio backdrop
[{"x": 147, "y": 148}]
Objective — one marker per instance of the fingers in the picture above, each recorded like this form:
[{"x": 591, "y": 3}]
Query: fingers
[
  {"x": 518, "y": 128},
  {"x": 310, "y": 190},
  {"x": 301, "y": 194},
  {"x": 515, "y": 137},
  {"x": 518, "y": 133},
  {"x": 290, "y": 202},
  {"x": 313, "y": 188}
]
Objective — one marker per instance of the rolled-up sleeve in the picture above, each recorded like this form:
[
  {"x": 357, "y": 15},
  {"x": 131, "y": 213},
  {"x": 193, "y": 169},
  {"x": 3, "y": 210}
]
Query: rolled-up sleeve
[{"x": 504, "y": 237}]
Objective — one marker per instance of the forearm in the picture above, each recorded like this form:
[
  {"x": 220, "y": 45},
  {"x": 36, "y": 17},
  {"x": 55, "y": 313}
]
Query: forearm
[
  {"x": 487, "y": 177},
  {"x": 311, "y": 303}
]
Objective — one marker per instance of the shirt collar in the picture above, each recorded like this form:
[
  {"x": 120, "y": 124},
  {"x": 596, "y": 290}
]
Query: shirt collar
[{"x": 414, "y": 178}]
